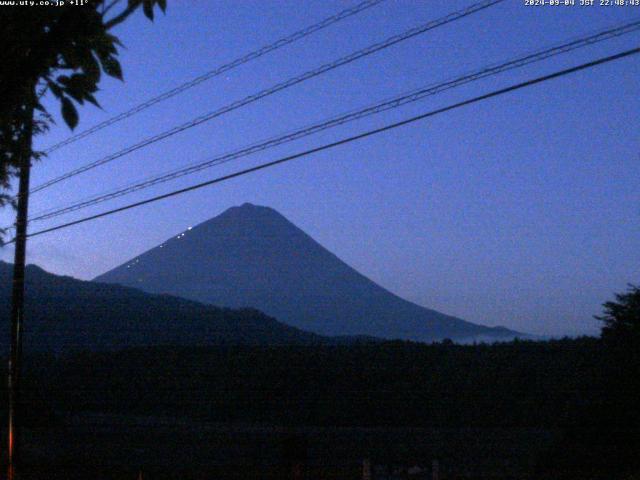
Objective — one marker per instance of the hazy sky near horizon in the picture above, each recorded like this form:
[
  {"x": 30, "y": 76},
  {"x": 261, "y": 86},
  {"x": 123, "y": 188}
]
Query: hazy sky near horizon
[{"x": 520, "y": 211}]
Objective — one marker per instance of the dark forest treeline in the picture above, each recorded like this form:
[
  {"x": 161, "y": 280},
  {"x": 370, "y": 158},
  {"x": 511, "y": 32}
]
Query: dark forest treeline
[
  {"x": 521, "y": 383},
  {"x": 584, "y": 388}
]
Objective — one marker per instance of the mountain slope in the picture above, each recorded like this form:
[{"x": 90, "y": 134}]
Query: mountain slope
[
  {"x": 67, "y": 314},
  {"x": 251, "y": 256}
]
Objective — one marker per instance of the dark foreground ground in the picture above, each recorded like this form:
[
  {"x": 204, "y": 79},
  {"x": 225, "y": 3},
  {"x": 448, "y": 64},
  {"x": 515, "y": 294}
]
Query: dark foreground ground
[
  {"x": 524, "y": 410},
  {"x": 118, "y": 447}
]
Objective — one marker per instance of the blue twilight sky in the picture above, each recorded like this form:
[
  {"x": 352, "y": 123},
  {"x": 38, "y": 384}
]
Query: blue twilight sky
[{"x": 520, "y": 211}]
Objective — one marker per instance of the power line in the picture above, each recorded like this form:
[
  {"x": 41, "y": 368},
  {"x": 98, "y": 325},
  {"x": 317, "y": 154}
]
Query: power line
[
  {"x": 412, "y": 32},
  {"x": 348, "y": 117},
  {"x": 360, "y": 136},
  {"x": 289, "y": 39}
]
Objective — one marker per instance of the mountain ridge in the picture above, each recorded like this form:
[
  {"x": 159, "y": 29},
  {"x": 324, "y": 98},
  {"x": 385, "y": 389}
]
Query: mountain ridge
[{"x": 64, "y": 313}]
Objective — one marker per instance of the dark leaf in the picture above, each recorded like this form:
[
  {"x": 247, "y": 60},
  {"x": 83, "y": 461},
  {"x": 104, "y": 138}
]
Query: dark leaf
[
  {"x": 90, "y": 98},
  {"x": 69, "y": 113},
  {"x": 55, "y": 89},
  {"x": 111, "y": 67},
  {"x": 83, "y": 83},
  {"x": 113, "y": 39},
  {"x": 77, "y": 86},
  {"x": 163, "y": 5},
  {"x": 147, "y": 8},
  {"x": 104, "y": 46},
  {"x": 90, "y": 66},
  {"x": 71, "y": 58},
  {"x": 73, "y": 94}
]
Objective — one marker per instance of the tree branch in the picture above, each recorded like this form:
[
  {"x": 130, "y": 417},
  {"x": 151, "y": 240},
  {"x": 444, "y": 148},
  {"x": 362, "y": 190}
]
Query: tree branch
[{"x": 122, "y": 16}]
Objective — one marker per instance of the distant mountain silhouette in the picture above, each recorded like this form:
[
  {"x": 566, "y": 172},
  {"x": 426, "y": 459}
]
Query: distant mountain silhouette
[
  {"x": 252, "y": 256},
  {"x": 66, "y": 314}
]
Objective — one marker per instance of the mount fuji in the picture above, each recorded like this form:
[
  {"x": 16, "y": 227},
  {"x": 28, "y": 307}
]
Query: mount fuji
[{"x": 252, "y": 256}]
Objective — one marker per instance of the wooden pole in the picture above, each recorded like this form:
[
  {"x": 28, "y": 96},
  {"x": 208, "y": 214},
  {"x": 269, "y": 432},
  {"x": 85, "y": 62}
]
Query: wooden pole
[{"x": 17, "y": 296}]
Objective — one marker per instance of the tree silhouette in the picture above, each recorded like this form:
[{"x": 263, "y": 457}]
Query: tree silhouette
[
  {"x": 62, "y": 50},
  {"x": 622, "y": 318}
]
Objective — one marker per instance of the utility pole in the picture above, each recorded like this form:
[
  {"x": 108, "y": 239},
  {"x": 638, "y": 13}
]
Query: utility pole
[{"x": 17, "y": 295}]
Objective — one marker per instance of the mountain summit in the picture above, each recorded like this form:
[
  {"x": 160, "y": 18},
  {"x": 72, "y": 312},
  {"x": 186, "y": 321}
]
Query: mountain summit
[{"x": 252, "y": 256}]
